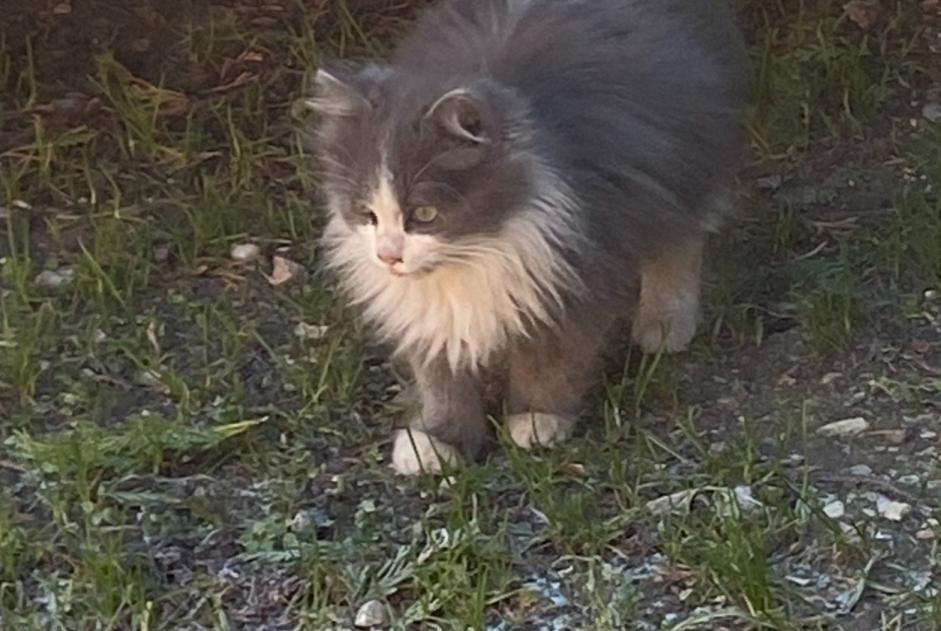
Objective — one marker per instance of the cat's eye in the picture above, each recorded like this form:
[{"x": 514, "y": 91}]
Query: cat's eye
[{"x": 425, "y": 214}]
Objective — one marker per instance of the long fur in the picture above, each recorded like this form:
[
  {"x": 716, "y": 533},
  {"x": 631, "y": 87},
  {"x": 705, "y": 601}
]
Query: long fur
[{"x": 620, "y": 127}]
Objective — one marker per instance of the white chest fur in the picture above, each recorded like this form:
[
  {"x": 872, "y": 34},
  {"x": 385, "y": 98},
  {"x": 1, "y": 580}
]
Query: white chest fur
[{"x": 467, "y": 308}]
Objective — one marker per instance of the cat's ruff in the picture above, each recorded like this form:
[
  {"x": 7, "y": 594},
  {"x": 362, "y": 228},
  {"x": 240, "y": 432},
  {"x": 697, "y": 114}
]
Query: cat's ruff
[{"x": 467, "y": 309}]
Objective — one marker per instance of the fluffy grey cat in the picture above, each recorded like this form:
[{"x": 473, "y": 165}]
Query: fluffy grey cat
[{"x": 521, "y": 176}]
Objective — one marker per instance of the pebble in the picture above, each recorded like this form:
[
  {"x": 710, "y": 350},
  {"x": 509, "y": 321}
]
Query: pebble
[
  {"x": 860, "y": 469},
  {"x": 892, "y": 510},
  {"x": 830, "y": 377},
  {"x": 911, "y": 479},
  {"x": 925, "y": 534},
  {"x": 932, "y": 112},
  {"x": 835, "y": 509},
  {"x": 245, "y": 252},
  {"x": 846, "y": 427},
  {"x": 55, "y": 279},
  {"x": 371, "y": 614}
]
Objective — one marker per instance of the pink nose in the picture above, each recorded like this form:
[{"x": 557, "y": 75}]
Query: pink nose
[
  {"x": 389, "y": 249},
  {"x": 390, "y": 258}
]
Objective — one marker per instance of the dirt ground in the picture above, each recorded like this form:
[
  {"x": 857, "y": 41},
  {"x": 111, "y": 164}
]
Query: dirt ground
[{"x": 194, "y": 430}]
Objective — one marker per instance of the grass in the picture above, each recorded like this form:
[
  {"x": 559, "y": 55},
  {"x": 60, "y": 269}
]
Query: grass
[{"x": 185, "y": 445}]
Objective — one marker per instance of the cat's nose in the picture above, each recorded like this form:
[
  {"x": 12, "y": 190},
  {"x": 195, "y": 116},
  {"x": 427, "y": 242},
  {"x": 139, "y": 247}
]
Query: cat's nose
[
  {"x": 389, "y": 249},
  {"x": 390, "y": 258}
]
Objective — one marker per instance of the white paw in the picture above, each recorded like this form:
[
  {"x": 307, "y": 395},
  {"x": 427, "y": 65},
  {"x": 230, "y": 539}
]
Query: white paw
[
  {"x": 671, "y": 332},
  {"x": 415, "y": 452},
  {"x": 532, "y": 429}
]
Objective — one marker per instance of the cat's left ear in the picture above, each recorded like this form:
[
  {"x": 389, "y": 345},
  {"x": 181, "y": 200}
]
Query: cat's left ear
[
  {"x": 465, "y": 115},
  {"x": 469, "y": 123}
]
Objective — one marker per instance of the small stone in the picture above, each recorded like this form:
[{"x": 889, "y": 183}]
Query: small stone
[
  {"x": 910, "y": 479},
  {"x": 63, "y": 8},
  {"x": 372, "y": 614},
  {"x": 830, "y": 377},
  {"x": 932, "y": 112},
  {"x": 863, "y": 470},
  {"x": 846, "y": 427},
  {"x": 162, "y": 252},
  {"x": 835, "y": 509},
  {"x": 55, "y": 279},
  {"x": 925, "y": 534},
  {"x": 770, "y": 182},
  {"x": 245, "y": 252},
  {"x": 892, "y": 510}
]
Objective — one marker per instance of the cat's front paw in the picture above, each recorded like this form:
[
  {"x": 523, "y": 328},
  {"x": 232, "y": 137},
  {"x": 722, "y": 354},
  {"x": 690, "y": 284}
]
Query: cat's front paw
[
  {"x": 671, "y": 332},
  {"x": 415, "y": 452},
  {"x": 537, "y": 429}
]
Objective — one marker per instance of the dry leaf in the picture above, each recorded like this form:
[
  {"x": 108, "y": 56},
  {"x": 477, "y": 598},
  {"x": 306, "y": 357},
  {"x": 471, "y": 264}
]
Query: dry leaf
[
  {"x": 284, "y": 271},
  {"x": 152, "y": 337},
  {"x": 863, "y": 13}
]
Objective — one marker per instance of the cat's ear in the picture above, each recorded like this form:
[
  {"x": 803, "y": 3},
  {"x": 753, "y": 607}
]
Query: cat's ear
[
  {"x": 464, "y": 115},
  {"x": 344, "y": 92},
  {"x": 467, "y": 125}
]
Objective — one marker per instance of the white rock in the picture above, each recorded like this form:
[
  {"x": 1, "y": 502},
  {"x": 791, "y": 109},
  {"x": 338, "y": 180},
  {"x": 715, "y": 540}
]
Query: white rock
[
  {"x": 245, "y": 252},
  {"x": 932, "y": 112},
  {"x": 860, "y": 469},
  {"x": 835, "y": 509},
  {"x": 846, "y": 427},
  {"x": 925, "y": 534},
  {"x": 371, "y": 614},
  {"x": 55, "y": 279},
  {"x": 892, "y": 510}
]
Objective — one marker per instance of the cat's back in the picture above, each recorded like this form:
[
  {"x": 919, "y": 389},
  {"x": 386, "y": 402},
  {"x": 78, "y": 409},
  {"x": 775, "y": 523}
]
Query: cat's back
[
  {"x": 637, "y": 103},
  {"x": 525, "y": 42}
]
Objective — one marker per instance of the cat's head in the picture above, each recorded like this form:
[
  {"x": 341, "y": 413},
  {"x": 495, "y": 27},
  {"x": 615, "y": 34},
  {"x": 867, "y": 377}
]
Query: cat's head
[{"x": 422, "y": 170}]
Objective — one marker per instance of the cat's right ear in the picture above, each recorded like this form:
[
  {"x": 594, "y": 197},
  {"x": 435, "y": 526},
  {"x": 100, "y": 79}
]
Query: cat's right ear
[{"x": 340, "y": 92}]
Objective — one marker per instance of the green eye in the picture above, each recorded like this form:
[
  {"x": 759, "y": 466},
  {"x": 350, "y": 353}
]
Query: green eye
[{"x": 425, "y": 214}]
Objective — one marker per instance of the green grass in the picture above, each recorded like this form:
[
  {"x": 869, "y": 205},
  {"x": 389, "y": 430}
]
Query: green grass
[{"x": 183, "y": 445}]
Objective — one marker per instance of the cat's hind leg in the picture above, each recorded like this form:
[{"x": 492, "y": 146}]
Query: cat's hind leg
[
  {"x": 667, "y": 314},
  {"x": 548, "y": 376}
]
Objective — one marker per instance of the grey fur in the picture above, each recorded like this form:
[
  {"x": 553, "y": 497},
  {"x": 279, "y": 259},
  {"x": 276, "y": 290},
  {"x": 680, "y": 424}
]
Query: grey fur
[{"x": 635, "y": 105}]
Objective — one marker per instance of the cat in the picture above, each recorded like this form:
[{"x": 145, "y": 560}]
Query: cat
[{"x": 517, "y": 178}]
